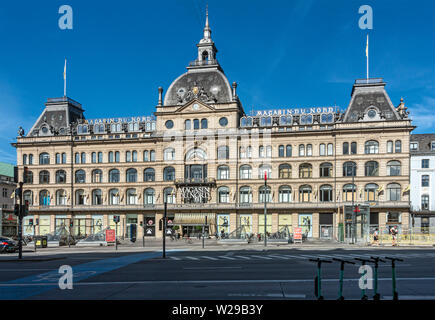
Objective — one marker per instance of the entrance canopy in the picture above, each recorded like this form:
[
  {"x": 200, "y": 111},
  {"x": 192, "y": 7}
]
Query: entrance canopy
[{"x": 194, "y": 218}]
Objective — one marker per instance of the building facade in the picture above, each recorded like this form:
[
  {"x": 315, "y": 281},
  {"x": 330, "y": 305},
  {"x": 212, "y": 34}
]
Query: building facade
[
  {"x": 422, "y": 150},
  {"x": 8, "y": 221},
  {"x": 206, "y": 157}
]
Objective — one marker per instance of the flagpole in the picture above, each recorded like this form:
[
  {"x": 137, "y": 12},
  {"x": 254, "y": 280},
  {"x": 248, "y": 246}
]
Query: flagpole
[
  {"x": 367, "y": 55},
  {"x": 64, "y": 80}
]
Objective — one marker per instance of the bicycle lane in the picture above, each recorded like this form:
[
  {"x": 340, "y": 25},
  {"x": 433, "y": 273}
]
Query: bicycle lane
[{"x": 26, "y": 287}]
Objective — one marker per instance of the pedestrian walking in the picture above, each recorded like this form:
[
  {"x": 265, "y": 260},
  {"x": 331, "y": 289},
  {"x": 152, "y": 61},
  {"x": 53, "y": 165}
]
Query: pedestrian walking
[
  {"x": 394, "y": 232},
  {"x": 376, "y": 237}
]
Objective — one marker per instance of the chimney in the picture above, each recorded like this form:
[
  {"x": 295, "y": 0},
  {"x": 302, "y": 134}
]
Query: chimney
[{"x": 160, "y": 95}]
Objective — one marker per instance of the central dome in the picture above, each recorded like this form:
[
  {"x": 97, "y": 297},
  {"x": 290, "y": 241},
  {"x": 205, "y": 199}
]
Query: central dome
[{"x": 207, "y": 85}]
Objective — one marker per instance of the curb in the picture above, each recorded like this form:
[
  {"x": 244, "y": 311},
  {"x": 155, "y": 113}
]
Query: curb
[{"x": 31, "y": 260}]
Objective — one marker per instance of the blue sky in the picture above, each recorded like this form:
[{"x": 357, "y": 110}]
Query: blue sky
[{"x": 289, "y": 53}]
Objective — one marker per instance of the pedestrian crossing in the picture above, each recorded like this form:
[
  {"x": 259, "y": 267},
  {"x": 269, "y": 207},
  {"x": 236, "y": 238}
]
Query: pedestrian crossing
[{"x": 302, "y": 257}]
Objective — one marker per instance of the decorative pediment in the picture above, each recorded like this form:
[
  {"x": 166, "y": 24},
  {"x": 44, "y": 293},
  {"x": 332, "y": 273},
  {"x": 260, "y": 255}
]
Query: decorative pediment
[{"x": 195, "y": 106}]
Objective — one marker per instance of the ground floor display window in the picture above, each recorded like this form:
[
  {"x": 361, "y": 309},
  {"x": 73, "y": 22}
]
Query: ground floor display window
[
  {"x": 305, "y": 222},
  {"x": 246, "y": 221},
  {"x": 97, "y": 224},
  {"x": 285, "y": 220},
  {"x": 27, "y": 228},
  {"x": 326, "y": 221},
  {"x": 131, "y": 226},
  {"x": 81, "y": 226},
  {"x": 223, "y": 223},
  {"x": 261, "y": 223},
  {"x": 44, "y": 224},
  {"x": 61, "y": 221}
]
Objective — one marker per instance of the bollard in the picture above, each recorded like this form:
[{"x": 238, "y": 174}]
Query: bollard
[
  {"x": 340, "y": 287},
  {"x": 318, "y": 278}
]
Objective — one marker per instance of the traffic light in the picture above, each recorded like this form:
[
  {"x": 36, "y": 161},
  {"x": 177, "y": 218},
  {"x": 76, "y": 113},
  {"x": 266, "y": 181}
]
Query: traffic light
[
  {"x": 116, "y": 219},
  {"x": 17, "y": 209},
  {"x": 141, "y": 223},
  {"x": 30, "y": 222},
  {"x": 71, "y": 224},
  {"x": 26, "y": 208}
]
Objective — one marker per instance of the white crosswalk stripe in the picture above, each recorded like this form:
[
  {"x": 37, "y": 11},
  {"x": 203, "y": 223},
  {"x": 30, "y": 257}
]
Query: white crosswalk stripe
[
  {"x": 192, "y": 258},
  {"x": 175, "y": 258},
  {"x": 243, "y": 257},
  {"x": 261, "y": 257},
  {"x": 226, "y": 257},
  {"x": 295, "y": 257},
  {"x": 279, "y": 257},
  {"x": 210, "y": 258}
]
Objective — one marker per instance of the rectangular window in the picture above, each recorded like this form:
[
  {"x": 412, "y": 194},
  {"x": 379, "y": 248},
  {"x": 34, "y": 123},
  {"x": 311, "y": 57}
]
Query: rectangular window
[
  {"x": 330, "y": 149},
  {"x": 432, "y": 147},
  {"x": 425, "y": 181},
  {"x": 425, "y": 163},
  {"x": 413, "y": 146}
]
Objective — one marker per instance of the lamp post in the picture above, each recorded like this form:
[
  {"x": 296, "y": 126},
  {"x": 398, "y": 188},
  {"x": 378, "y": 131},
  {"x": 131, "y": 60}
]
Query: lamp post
[
  {"x": 265, "y": 209},
  {"x": 164, "y": 226}
]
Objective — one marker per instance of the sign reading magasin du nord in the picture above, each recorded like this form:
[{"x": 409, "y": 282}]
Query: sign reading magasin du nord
[{"x": 284, "y": 112}]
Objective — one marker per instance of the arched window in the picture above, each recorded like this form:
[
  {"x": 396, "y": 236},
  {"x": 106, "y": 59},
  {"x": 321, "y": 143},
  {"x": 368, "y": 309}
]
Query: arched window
[
  {"x": 305, "y": 170},
  {"x": 134, "y": 156},
  {"x": 97, "y": 176},
  {"x": 223, "y": 195},
  {"x": 60, "y": 176},
  {"x": 63, "y": 157},
  {"x": 309, "y": 150},
  {"x": 44, "y": 198},
  {"x": 115, "y": 127},
  {"x": 245, "y": 195},
  {"x": 77, "y": 157},
  {"x": 44, "y": 158},
  {"x": 83, "y": 157},
  {"x": 398, "y": 146},
  {"x": 24, "y": 159},
  {"x": 370, "y": 191},
  {"x": 264, "y": 194},
  {"x": 169, "y": 195},
  {"x": 326, "y": 169},
  {"x": 114, "y": 175},
  {"x": 371, "y": 169},
  {"x": 393, "y": 192},
  {"x": 28, "y": 177},
  {"x": 371, "y": 147},
  {"x": 349, "y": 169},
  {"x": 169, "y": 174},
  {"x": 169, "y": 154},
  {"x": 114, "y": 196},
  {"x": 345, "y": 147},
  {"x": 149, "y": 175},
  {"x": 322, "y": 149},
  {"x": 390, "y": 146},
  {"x": 127, "y": 156},
  {"x": 80, "y": 197},
  {"x": 223, "y": 152},
  {"x": 245, "y": 172},
  {"x": 28, "y": 197},
  {"x": 97, "y": 197},
  {"x": 264, "y": 169},
  {"x": 100, "y": 157},
  {"x": 111, "y": 157},
  {"x": 149, "y": 196},
  {"x": 261, "y": 153},
  {"x": 30, "y": 158},
  {"x": 325, "y": 193},
  {"x": 281, "y": 151},
  {"x": 330, "y": 149},
  {"x": 58, "y": 159},
  {"x": 285, "y": 194},
  {"x": 187, "y": 125},
  {"x": 353, "y": 148},
  {"x": 152, "y": 155},
  {"x": 131, "y": 175},
  {"x": 203, "y": 123},
  {"x": 393, "y": 168},
  {"x": 425, "y": 202},
  {"x": 305, "y": 193},
  {"x": 223, "y": 173},
  {"x": 94, "y": 157},
  {"x": 196, "y": 124},
  {"x": 117, "y": 156},
  {"x": 288, "y": 151},
  {"x": 133, "y": 126},
  {"x": 301, "y": 150},
  {"x": 44, "y": 177},
  {"x": 131, "y": 196},
  {"x": 61, "y": 199},
  {"x": 349, "y": 191},
  {"x": 80, "y": 176},
  {"x": 285, "y": 171},
  {"x": 146, "y": 156}
]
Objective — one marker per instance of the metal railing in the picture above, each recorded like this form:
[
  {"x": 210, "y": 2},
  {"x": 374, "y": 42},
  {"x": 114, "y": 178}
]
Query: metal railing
[
  {"x": 370, "y": 81},
  {"x": 203, "y": 63}
]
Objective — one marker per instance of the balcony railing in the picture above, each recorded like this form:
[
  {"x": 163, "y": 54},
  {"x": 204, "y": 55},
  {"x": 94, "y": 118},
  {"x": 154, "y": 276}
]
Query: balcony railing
[
  {"x": 369, "y": 81},
  {"x": 196, "y": 181},
  {"x": 203, "y": 63}
]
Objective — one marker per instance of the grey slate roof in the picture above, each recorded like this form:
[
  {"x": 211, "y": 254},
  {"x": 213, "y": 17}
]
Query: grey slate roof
[{"x": 424, "y": 143}]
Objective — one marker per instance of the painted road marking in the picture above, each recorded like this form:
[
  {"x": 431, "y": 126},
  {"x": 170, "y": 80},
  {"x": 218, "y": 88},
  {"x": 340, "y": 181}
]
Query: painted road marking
[
  {"x": 191, "y": 258},
  {"x": 175, "y": 258},
  {"x": 243, "y": 257},
  {"x": 210, "y": 258},
  {"x": 226, "y": 257},
  {"x": 261, "y": 257},
  {"x": 278, "y": 257}
]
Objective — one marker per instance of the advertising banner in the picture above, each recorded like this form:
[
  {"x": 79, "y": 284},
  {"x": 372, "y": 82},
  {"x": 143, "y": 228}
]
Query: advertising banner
[{"x": 110, "y": 235}]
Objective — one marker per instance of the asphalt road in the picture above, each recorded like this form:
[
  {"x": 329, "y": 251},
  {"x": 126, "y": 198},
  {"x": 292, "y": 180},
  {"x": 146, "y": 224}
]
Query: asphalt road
[{"x": 195, "y": 274}]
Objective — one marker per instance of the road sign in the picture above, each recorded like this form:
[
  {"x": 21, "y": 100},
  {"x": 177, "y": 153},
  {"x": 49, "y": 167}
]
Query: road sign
[
  {"x": 110, "y": 235},
  {"x": 297, "y": 234}
]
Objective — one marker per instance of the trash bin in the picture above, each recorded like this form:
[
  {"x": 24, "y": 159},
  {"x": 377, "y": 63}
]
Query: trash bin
[{"x": 41, "y": 241}]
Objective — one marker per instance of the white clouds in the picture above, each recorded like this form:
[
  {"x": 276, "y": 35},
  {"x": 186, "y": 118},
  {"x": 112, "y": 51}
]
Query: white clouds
[{"x": 423, "y": 115}]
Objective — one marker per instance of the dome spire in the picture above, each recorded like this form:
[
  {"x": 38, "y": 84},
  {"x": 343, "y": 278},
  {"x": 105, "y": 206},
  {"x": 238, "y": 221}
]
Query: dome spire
[{"x": 207, "y": 31}]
